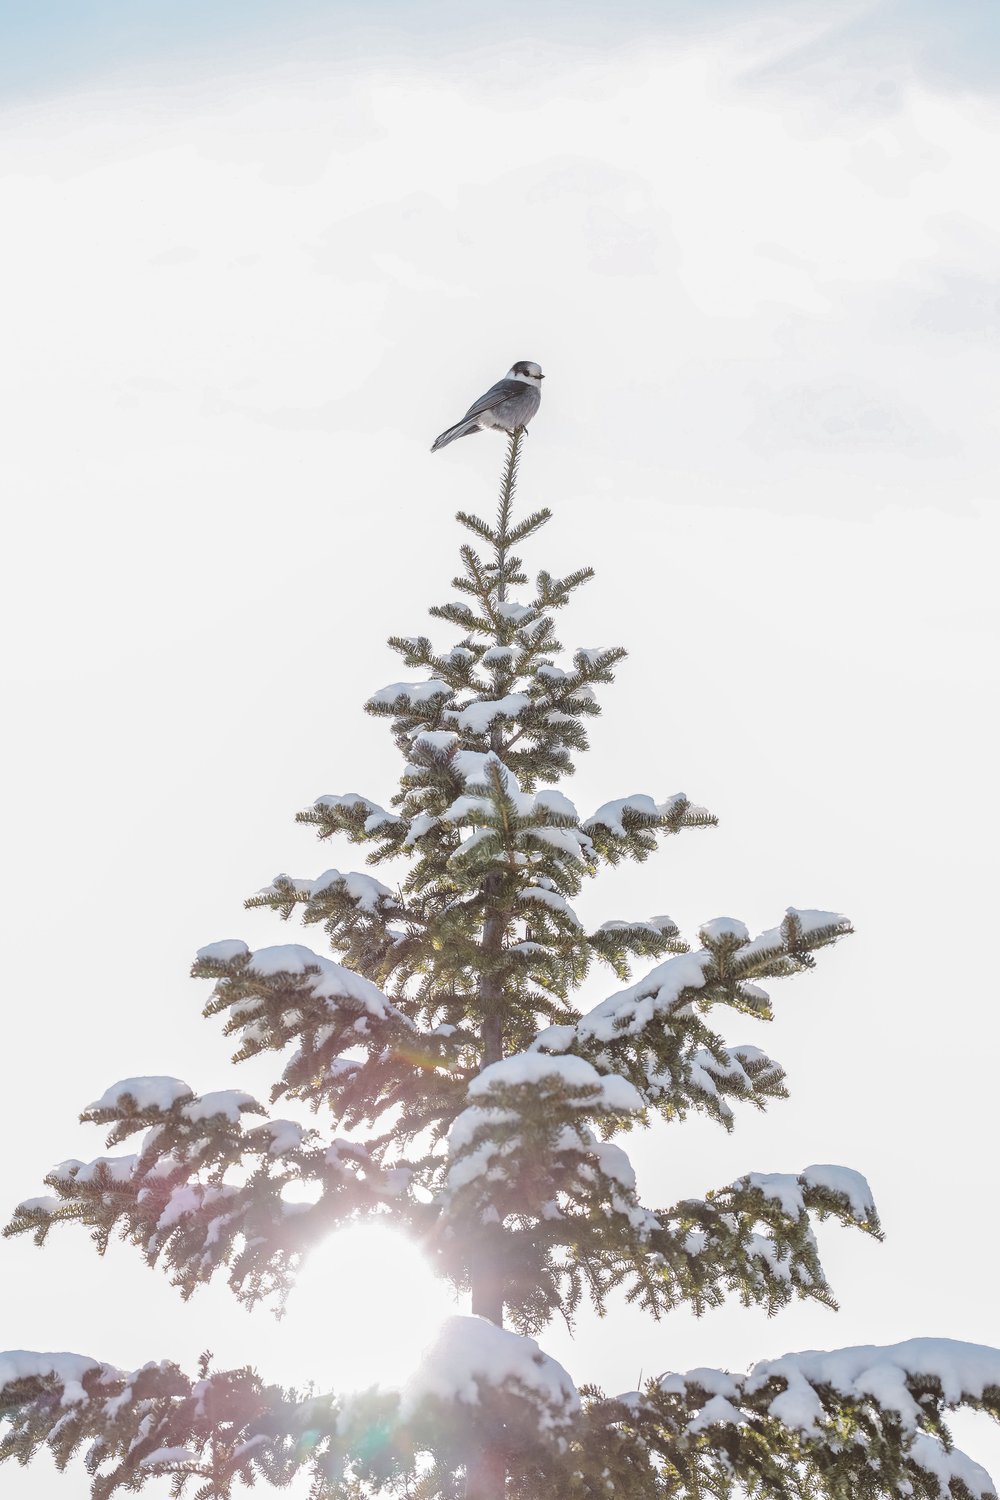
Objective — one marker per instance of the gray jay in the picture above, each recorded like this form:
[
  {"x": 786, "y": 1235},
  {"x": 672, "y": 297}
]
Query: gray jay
[{"x": 509, "y": 404}]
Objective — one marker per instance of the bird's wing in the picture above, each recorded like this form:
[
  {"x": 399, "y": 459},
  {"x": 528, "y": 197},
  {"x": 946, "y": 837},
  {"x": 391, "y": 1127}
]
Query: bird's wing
[{"x": 504, "y": 390}]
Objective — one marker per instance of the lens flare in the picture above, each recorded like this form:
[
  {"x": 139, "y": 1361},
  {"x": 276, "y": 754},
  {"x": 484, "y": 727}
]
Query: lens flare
[{"x": 365, "y": 1306}]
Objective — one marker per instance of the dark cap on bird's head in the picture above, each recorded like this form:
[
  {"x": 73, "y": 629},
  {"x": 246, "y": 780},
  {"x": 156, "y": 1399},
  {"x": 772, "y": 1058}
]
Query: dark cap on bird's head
[{"x": 526, "y": 369}]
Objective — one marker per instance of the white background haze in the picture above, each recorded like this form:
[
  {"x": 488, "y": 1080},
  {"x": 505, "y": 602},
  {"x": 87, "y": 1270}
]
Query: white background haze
[{"x": 248, "y": 278}]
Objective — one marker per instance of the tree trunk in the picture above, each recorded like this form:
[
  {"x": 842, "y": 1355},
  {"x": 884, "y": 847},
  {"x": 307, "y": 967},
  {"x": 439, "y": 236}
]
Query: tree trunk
[{"x": 485, "y": 1476}]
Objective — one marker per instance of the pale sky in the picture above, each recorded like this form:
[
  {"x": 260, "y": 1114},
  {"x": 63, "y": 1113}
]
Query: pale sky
[{"x": 255, "y": 258}]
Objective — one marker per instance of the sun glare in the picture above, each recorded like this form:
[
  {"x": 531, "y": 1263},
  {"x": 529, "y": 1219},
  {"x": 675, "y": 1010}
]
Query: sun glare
[{"x": 365, "y": 1306}]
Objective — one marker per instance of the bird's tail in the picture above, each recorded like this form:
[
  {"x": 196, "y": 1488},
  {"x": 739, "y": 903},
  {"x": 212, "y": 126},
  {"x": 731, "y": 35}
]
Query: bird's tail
[{"x": 460, "y": 429}]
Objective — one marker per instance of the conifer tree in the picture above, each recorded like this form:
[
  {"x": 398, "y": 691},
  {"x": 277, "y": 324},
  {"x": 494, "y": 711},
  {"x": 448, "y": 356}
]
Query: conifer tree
[{"x": 459, "y": 1093}]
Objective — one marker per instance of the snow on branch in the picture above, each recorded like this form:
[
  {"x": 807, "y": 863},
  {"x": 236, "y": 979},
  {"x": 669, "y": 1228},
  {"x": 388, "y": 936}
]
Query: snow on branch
[
  {"x": 569, "y": 1079},
  {"x": 134, "y": 1104},
  {"x": 653, "y": 1031},
  {"x": 221, "y": 1428},
  {"x": 629, "y": 1011},
  {"x": 399, "y": 696},
  {"x": 627, "y": 826},
  {"x": 479, "y": 716},
  {"x": 66, "y": 1373},
  {"x": 826, "y": 1188},
  {"x": 204, "y": 1192},
  {"x": 472, "y": 1358},
  {"x": 752, "y": 1237},
  {"x": 361, "y": 819},
  {"x": 180, "y": 1210},
  {"x": 617, "y": 942},
  {"x": 363, "y": 892},
  {"x": 130, "y": 1095},
  {"x": 323, "y": 979},
  {"x": 865, "y": 1421},
  {"x": 286, "y": 992},
  {"x": 354, "y": 1052},
  {"x": 356, "y": 910},
  {"x": 896, "y": 1375}
]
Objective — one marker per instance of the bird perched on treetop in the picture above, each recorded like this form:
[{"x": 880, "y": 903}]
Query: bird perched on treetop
[{"x": 509, "y": 404}]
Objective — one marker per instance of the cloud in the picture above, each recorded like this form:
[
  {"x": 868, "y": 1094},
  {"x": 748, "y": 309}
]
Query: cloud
[
  {"x": 861, "y": 57},
  {"x": 734, "y": 286},
  {"x": 858, "y": 55},
  {"x": 834, "y": 415}
]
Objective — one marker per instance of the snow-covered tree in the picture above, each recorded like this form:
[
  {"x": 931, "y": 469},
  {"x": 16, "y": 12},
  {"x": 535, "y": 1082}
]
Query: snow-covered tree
[{"x": 458, "y": 1093}]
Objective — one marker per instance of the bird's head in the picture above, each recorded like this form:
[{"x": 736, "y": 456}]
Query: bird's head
[{"x": 526, "y": 370}]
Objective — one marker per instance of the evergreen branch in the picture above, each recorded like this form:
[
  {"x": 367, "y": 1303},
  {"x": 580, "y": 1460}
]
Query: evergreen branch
[
  {"x": 529, "y": 526},
  {"x": 177, "y": 1201},
  {"x": 627, "y": 828},
  {"x": 415, "y": 649},
  {"x": 224, "y": 1427},
  {"x": 553, "y": 593},
  {"x": 477, "y": 525},
  {"x": 460, "y": 614},
  {"x": 867, "y": 1422},
  {"x": 804, "y": 1425},
  {"x": 618, "y": 942}
]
